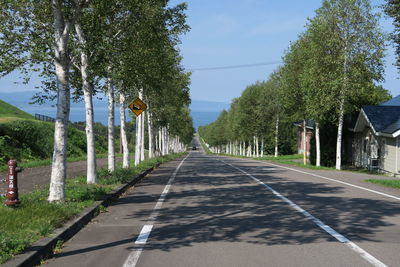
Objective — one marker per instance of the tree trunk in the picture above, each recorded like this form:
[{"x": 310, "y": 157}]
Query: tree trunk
[
  {"x": 62, "y": 65},
  {"x": 157, "y": 146},
  {"x": 150, "y": 132},
  {"x": 304, "y": 142},
  {"x": 91, "y": 176},
  {"x": 110, "y": 129},
  {"x": 125, "y": 149},
  {"x": 339, "y": 136},
  {"x": 317, "y": 145},
  {"x": 257, "y": 148},
  {"x": 142, "y": 137},
  {"x": 262, "y": 146},
  {"x": 138, "y": 141},
  {"x": 341, "y": 110},
  {"x": 276, "y": 136}
]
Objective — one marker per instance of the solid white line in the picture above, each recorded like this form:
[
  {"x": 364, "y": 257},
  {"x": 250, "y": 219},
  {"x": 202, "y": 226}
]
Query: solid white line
[
  {"x": 368, "y": 257},
  {"x": 146, "y": 229},
  {"x": 144, "y": 234},
  {"x": 334, "y": 180}
]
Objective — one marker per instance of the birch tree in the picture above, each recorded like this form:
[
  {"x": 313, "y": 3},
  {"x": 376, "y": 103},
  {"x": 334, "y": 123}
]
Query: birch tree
[
  {"x": 39, "y": 33},
  {"x": 356, "y": 49},
  {"x": 392, "y": 9}
]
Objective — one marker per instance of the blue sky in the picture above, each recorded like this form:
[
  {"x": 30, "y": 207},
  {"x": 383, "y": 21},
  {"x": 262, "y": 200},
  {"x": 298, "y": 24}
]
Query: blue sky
[{"x": 236, "y": 32}]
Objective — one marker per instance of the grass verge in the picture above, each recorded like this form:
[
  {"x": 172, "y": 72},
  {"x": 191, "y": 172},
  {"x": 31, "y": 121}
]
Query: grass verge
[
  {"x": 387, "y": 183},
  {"x": 36, "y": 218},
  {"x": 46, "y": 162}
]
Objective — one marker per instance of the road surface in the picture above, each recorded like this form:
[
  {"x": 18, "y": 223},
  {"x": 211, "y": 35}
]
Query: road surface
[{"x": 204, "y": 210}]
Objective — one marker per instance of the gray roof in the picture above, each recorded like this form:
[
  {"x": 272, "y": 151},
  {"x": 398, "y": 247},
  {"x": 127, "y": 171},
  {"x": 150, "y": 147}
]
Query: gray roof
[
  {"x": 392, "y": 102},
  {"x": 383, "y": 118},
  {"x": 309, "y": 124}
]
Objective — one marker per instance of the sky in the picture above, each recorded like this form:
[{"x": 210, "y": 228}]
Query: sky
[{"x": 238, "y": 32}]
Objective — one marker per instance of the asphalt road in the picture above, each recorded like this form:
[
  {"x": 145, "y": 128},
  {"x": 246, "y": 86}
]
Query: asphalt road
[{"x": 217, "y": 211}]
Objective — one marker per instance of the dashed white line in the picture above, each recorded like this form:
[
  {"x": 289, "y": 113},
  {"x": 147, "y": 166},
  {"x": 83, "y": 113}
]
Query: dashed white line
[
  {"x": 364, "y": 254},
  {"x": 141, "y": 241}
]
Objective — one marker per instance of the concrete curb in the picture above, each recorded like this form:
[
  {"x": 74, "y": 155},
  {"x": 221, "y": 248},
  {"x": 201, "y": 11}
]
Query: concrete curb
[{"x": 43, "y": 248}]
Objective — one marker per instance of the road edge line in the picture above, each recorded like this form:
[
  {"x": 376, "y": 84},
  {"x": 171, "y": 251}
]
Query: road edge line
[
  {"x": 141, "y": 240},
  {"x": 341, "y": 238},
  {"x": 43, "y": 248}
]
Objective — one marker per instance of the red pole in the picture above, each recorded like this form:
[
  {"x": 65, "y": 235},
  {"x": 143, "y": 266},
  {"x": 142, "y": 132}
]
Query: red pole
[{"x": 12, "y": 181}]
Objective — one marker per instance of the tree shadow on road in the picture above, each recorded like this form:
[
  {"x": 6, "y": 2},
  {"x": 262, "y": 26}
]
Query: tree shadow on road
[{"x": 211, "y": 203}]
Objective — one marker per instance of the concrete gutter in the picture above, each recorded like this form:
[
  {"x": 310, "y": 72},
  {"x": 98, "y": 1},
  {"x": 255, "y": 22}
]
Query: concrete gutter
[{"x": 43, "y": 248}]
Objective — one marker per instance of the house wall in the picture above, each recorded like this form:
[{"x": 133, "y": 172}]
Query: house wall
[
  {"x": 389, "y": 158},
  {"x": 309, "y": 135},
  {"x": 357, "y": 149},
  {"x": 384, "y": 149}
]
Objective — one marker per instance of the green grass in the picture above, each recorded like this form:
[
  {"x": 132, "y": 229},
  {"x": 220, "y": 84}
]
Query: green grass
[
  {"x": 35, "y": 218},
  {"x": 301, "y": 165},
  {"x": 387, "y": 183},
  {"x": 9, "y": 112},
  {"x": 283, "y": 157},
  {"x": 46, "y": 162}
]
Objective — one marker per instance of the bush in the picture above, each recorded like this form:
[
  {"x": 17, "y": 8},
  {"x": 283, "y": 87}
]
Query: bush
[{"x": 26, "y": 140}]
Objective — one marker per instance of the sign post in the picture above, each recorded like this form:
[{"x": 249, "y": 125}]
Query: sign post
[{"x": 12, "y": 182}]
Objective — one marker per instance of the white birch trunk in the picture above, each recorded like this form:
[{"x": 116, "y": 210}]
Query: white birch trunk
[
  {"x": 262, "y": 146},
  {"x": 156, "y": 145},
  {"x": 62, "y": 65},
  {"x": 125, "y": 149},
  {"x": 276, "y": 136},
  {"x": 138, "y": 141},
  {"x": 257, "y": 148},
  {"x": 160, "y": 141},
  {"x": 304, "y": 142},
  {"x": 142, "y": 137},
  {"x": 110, "y": 128},
  {"x": 339, "y": 137},
  {"x": 163, "y": 142},
  {"x": 150, "y": 132},
  {"x": 317, "y": 145},
  {"x": 254, "y": 146},
  {"x": 341, "y": 110},
  {"x": 91, "y": 176}
]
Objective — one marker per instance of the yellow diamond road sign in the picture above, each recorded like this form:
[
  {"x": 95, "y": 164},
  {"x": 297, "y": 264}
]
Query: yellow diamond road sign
[{"x": 137, "y": 106}]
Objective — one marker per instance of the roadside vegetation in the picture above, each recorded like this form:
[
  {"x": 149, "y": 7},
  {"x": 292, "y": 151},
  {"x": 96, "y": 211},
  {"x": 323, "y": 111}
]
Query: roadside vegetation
[
  {"x": 387, "y": 183},
  {"x": 32, "y": 140},
  {"x": 121, "y": 50},
  {"x": 36, "y": 218},
  {"x": 327, "y": 75}
]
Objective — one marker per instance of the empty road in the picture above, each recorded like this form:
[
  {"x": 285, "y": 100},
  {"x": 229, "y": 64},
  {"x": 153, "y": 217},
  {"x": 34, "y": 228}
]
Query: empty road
[{"x": 204, "y": 210}]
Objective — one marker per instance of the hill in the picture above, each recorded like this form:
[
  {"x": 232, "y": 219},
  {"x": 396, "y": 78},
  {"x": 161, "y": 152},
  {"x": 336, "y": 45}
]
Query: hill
[
  {"x": 9, "y": 112},
  {"x": 23, "y": 138}
]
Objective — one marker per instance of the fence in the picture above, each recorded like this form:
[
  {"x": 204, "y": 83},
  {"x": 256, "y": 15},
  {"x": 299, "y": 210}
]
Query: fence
[
  {"x": 44, "y": 118},
  {"x": 77, "y": 126}
]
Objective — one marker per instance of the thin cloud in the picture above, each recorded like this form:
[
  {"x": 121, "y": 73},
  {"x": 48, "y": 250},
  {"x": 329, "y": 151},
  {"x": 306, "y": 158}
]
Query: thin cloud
[
  {"x": 285, "y": 26},
  {"x": 218, "y": 25}
]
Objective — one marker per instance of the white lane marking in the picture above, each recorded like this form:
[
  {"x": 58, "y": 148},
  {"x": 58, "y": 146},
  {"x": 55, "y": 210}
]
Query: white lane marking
[
  {"x": 144, "y": 234},
  {"x": 331, "y": 179},
  {"x": 364, "y": 254},
  {"x": 146, "y": 229}
]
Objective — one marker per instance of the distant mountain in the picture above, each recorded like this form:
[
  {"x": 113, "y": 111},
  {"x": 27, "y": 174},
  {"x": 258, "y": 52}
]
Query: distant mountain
[
  {"x": 77, "y": 113},
  {"x": 203, "y": 112}
]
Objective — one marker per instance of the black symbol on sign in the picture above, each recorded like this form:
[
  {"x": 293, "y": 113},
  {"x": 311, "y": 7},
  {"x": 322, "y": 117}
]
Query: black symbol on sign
[{"x": 136, "y": 107}]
